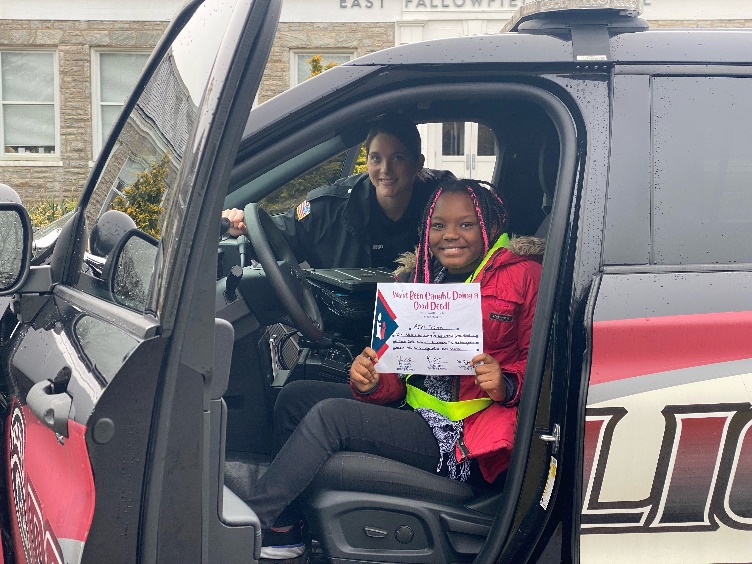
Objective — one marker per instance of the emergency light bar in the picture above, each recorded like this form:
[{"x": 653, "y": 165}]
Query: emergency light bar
[{"x": 630, "y": 8}]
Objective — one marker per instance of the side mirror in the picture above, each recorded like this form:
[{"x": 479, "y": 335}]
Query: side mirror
[
  {"x": 129, "y": 269},
  {"x": 107, "y": 232},
  {"x": 15, "y": 241}
]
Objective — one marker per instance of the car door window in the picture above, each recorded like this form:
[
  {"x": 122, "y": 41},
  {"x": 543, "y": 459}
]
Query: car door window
[
  {"x": 143, "y": 171},
  {"x": 104, "y": 345},
  {"x": 702, "y": 163}
]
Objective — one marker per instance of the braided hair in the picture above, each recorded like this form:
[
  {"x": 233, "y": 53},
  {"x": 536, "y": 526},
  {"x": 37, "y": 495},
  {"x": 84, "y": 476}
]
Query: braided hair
[{"x": 492, "y": 217}]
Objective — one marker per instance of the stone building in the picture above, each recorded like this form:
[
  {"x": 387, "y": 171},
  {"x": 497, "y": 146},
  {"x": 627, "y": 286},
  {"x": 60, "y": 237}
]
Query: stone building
[{"x": 66, "y": 67}]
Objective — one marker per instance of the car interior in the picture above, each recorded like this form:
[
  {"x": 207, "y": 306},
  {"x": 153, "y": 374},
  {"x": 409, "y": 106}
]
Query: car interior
[{"x": 407, "y": 515}]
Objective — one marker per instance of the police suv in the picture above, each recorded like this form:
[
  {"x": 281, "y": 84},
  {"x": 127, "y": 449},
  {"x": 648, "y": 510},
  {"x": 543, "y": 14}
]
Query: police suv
[{"x": 139, "y": 370}]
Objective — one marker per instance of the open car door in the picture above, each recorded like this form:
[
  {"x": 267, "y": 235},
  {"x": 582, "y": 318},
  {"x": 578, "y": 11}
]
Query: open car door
[{"x": 111, "y": 374}]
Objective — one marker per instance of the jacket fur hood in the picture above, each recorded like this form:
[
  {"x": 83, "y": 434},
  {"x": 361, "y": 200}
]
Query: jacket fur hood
[{"x": 523, "y": 245}]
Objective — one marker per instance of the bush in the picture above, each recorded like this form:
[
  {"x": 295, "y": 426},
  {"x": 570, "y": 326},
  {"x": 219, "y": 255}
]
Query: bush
[
  {"x": 317, "y": 67},
  {"x": 142, "y": 200},
  {"x": 47, "y": 211}
]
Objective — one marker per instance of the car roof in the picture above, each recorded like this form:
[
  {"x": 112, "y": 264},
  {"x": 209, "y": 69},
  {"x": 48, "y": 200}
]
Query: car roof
[{"x": 684, "y": 46}]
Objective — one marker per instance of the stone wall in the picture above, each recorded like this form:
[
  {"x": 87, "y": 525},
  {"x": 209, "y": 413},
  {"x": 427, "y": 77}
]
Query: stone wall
[
  {"x": 64, "y": 177},
  {"x": 362, "y": 39}
]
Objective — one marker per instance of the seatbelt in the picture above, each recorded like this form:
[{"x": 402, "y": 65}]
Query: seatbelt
[{"x": 454, "y": 410}]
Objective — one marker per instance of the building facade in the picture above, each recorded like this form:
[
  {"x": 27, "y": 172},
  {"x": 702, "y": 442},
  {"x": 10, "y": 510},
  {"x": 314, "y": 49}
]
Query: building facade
[{"x": 66, "y": 68}]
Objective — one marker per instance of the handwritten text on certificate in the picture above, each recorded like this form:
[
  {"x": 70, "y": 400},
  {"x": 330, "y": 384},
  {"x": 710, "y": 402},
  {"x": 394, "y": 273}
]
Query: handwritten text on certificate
[{"x": 427, "y": 328}]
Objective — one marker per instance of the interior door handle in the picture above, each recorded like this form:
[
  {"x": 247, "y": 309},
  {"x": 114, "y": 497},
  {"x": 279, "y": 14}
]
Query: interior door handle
[
  {"x": 473, "y": 162},
  {"x": 467, "y": 162},
  {"x": 50, "y": 408}
]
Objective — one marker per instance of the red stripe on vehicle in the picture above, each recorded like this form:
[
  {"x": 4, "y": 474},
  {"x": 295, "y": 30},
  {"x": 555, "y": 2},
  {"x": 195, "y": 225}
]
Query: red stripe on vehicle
[
  {"x": 62, "y": 476},
  {"x": 625, "y": 348}
]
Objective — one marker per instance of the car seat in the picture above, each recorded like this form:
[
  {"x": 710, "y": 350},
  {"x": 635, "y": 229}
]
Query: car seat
[{"x": 366, "y": 508}]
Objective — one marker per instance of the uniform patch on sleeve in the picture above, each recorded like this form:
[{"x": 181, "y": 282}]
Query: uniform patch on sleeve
[{"x": 303, "y": 209}]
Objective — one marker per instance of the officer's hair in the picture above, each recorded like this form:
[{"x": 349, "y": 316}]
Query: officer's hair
[
  {"x": 489, "y": 207},
  {"x": 401, "y": 128}
]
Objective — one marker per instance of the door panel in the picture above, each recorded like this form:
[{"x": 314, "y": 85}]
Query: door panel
[
  {"x": 51, "y": 454},
  {"x": 101, "y": 360},
  {"x": 667, "y": 437}
]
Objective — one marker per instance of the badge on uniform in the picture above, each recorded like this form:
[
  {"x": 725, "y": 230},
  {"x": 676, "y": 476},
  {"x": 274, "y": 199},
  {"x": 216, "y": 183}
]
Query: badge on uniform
[{"x": 303, "y": 209}]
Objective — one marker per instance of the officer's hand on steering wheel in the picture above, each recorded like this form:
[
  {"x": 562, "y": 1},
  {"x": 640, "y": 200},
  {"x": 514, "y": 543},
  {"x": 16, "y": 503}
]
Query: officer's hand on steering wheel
[{"x": 237, "y": 222}]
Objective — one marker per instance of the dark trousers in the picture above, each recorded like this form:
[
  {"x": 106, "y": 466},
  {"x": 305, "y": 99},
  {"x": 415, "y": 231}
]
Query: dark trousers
[{"x": 313, "y": 420}]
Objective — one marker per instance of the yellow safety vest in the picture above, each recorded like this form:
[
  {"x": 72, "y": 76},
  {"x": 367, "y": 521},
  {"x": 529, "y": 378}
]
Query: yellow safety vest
[{"x": 454, "y": 410}]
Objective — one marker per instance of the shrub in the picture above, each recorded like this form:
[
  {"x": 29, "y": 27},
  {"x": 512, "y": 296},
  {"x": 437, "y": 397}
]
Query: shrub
[
  {"x": 142, "y": 200},
  {"x": 317, "y": 67},
  {"x": 47, "y": 211}
]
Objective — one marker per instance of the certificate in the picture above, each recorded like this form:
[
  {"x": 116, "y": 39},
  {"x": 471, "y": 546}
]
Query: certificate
[{"x": 427, "y": 328}]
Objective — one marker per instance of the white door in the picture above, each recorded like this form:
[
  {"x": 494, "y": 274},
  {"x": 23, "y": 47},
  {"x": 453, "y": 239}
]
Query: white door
[{"x": 468, "y": 149}]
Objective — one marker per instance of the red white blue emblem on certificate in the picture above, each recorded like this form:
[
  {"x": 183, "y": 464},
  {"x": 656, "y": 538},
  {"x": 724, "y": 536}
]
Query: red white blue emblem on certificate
[{"x": 384, "y": 325}]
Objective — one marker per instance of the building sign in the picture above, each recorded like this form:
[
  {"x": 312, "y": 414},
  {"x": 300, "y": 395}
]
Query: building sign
[
  {"x": 462, "y": 5},
  {"x": 358, "y": 4}
]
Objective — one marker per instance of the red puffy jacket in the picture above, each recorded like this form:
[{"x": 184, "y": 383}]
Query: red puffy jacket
[{"x": 509, "y": 290}]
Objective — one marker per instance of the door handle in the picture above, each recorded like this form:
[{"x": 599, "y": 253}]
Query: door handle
[
  {"x": 467, "y": 162},
  {"x": 50, "y": 408},
  {"x": 473, "y": 162}
]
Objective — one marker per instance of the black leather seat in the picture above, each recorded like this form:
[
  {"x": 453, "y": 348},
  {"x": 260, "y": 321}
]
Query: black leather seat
[{"x": 363, "y": 507}]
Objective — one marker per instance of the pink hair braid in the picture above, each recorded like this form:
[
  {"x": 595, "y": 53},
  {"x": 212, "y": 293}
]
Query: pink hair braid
[
  {"x": 424, "y": 251},
  {"x": 474, "y": 198}
]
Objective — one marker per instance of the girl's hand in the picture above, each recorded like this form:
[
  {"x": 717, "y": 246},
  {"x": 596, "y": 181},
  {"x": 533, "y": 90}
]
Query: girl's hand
[
  {"x": 237, "y": 222},
  {"x": 363, "y": 374},
  {"x": 488, "y": 376}
]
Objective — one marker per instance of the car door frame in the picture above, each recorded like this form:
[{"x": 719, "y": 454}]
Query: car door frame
[
  {"x": 143, "y": 513},
  {"x": 188, "y": 297}
]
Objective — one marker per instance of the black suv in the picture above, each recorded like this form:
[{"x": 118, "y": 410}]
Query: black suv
[{"x": 139, "y": 370}]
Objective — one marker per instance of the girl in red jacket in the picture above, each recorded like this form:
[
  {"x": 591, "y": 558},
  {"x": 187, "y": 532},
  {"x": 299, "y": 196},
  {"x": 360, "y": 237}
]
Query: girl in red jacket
[{"x": 463, "y": 239}]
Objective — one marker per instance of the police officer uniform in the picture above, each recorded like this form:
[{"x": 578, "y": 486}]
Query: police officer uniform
[{"x": 342, "y": 225}]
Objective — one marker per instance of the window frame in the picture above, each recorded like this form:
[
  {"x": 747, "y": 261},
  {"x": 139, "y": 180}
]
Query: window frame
[
  {"x": 33, "y": 157},
  {"x": 296, "y": 53},
  {"x": 97, "y": 136}
]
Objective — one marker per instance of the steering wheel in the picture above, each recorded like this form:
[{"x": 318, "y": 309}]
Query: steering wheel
[{"x": 283, "y": 271}]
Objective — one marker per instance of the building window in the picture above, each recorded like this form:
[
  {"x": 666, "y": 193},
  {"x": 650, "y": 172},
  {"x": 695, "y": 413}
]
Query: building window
[
  {"x": 301, "y": 63},
  {"x": 453, "y": 138},
  {"x": 114, "y": 76},
  {"x": 28, "y": 103}
]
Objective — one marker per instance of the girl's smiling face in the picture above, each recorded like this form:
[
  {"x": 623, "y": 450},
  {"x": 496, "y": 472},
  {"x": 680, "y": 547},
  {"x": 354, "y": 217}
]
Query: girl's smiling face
[{"x": 454, "y": 235}]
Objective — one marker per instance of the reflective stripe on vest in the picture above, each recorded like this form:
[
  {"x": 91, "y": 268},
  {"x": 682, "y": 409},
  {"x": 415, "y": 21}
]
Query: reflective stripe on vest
[{"x": 452, "y": 410}]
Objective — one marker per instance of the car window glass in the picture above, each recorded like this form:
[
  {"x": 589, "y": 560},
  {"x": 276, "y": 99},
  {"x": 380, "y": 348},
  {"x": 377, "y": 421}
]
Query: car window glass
[
  {"x": 293, "y": 192},
  {"x": 143, "y": 170},
  {"x": 702, "y": 166},
  {"x": 106, "y": 347},
  {"x": 486, "y": 141}
]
